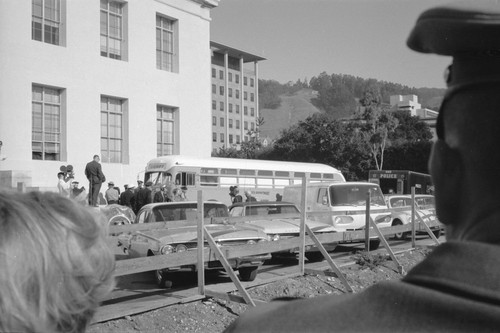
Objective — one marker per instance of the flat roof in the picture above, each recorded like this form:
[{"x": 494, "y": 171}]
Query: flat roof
[{"x": 231, "y": 51}]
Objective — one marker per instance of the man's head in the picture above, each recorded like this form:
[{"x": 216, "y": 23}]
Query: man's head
[
  {"x": 149, "y": 184},
  {"x": 60, "y": 175},
  {"x": 96, "y": 158},
  {"x": 140, "y": 183},
  {"x": 465, "y": 163},
  {"x": 111, "y": 184},
  {"x": 248, "y": 194}
]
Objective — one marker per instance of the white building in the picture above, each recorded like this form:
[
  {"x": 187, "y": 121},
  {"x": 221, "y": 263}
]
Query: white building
[
  {"x": 127, "y": 80},
  {"x": 410, "y": 103}
]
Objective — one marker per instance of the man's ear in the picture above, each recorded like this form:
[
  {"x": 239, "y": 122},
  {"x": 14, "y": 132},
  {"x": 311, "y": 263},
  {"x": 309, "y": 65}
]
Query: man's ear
[{"x": 446, "y": 168}]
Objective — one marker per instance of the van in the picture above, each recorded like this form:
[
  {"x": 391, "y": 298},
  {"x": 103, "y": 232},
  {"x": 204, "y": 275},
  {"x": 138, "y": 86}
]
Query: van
[{"x": 348, "y": 200}]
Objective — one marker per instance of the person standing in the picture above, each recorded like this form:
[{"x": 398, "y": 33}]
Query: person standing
[
  {"x": 63, "y": 185},
  {"x": 94, "y": 174},
  {"x": 143, "y": 196},
  {"x": 161, "y": 195},
  {"x": 235, "y": 196},
  {"x": 249, "y": 196},
  {"x": 126, "y": 197},
  {"x": 112, "y": 194}
]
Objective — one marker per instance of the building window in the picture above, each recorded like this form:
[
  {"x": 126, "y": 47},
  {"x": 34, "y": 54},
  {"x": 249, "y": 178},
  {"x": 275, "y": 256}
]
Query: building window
[
  {"x": 237, "y": 108},
  {"x": 111, "y": 29},
  {"x": 214, "y": 73},
  {"x": 237, "y": 78},
  {"x": 214, "y": 89},
  {"x": 230, "y": 123},
  {"x": 221, "y": 90},
  {"x": 214, "y": 105},
  {"x": 230, "y": 138},
  {"x": 251, "y": 82},
  {"x": 230, "y": 107},
  {"x": 221, "y": 122},
  {"x": 245, "y": 110},
  {"x": 237, "y": 124},
  {"x": 214, "y": 137},
  {"x": 246, "y": 138},
  {"x": 252, "y": 112},
  {"x": 252, "y": 126},
  {"x": 222, "y": 137},
  {"x": 221, "y": 75},
  {"x": 245, "y": 80},
  {"x": 214, "y": 121},
  {"x": 111, "y": 129},
  {"x": 46, "y": 21},
  {"x": 252, "y": 96},
  {"x": 46, "y": 124},
  {"x": 166, "y": 48},
  {"x": 245, "y": 95},
  {"x": 221, "y": 106},
  {"x": 245, "y": 125},
  {"x": 230, "y": 77},
  {"x": 237, "y": 139},
  {"x": 230, "y": 92},
  {"x": 165, "y": 130},
  {"x": 237, "y": 93}
]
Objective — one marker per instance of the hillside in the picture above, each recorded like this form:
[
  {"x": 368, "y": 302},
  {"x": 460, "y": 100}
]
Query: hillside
[{"x": 294, "y": 108}]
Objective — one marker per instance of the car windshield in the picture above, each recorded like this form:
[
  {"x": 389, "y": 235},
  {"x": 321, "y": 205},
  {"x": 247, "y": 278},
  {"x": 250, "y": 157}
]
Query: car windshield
[
  {"x": 178, "y": 212},
  {"x": 355, "y": 195},
  {"x": 270, "y": 209}
]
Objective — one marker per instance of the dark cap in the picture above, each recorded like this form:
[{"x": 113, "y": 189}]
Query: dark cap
[
  {"x": 149, "y": 183},
  {"x": 470, "y": 33},
  {"x": 184, "y": 188},
  {"x": 140, "y": 181},
  {"x": 111, "y": 183}
]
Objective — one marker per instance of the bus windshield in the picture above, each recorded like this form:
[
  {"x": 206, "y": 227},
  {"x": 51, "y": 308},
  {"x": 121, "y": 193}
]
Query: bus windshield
[
  {"x": 158, "y": 177},
  {"x": 355, "y": 195}
]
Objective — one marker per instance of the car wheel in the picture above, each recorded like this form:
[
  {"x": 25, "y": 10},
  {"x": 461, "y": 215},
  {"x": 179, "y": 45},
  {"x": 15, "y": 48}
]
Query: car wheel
[
  {"x": 436, "y": 233},
  {"x": 248, "y": 273},
  {"x": 399, "y": 235},
  {"x": 162, "y": 280},
  {"x": 315, "y": 256},
  {"x": 374, "y": 244}
]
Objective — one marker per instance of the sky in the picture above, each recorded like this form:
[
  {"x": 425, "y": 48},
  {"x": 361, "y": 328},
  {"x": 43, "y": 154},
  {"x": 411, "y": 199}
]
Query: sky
[{"x": 303, "y": 38}]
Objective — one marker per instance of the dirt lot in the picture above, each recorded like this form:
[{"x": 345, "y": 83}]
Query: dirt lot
[{"x": 213, "y": 315}]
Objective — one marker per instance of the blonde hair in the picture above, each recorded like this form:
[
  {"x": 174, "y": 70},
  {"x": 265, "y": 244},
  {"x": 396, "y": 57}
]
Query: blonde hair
[{"x": 55, "y": 264}]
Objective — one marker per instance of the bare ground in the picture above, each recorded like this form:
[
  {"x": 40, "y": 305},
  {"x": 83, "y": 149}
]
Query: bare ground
[{"x": 214, "y": 315}]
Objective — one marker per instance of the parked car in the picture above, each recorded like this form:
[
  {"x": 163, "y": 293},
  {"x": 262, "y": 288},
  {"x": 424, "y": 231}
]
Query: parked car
[
  {"x": 400, "y": 204},
  {"x": 184, "y": 237},
  {"x": 277, "y": 227}
]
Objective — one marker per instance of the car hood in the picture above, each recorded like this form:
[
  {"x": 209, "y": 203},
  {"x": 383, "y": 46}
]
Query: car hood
[
  {"x": 220, "y": 233},
  {"x": 287, "y": 226}
]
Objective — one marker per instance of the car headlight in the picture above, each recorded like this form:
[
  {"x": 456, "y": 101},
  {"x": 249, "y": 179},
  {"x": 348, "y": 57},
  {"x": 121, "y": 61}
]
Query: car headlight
[
  {"x": 166, "y": 249},
  {"x": 275, "y": 237},
  {"x": 383, "y": 219},
  {"x": 251, "y": 242},
  {"x": 343, "y": 219},
  {"x": 181, "y": 248}
]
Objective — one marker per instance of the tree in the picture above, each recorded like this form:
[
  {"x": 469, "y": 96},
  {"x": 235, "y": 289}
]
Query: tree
[
  {"x": 375, "y": 125},
  {"x": 410, "y": 129}
]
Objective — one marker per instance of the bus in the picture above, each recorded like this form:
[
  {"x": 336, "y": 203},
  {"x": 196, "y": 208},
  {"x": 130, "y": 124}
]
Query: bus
[
  {"x": 401, "y": 181},
  {"x": 215, "y": 175}
]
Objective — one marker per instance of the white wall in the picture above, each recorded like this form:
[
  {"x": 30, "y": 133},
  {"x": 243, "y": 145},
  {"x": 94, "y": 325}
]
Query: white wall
[{"x": 85, "y": 75}]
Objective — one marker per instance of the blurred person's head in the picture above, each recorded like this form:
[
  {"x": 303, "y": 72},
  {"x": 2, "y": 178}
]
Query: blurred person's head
[{"x": 55, "y": 264}]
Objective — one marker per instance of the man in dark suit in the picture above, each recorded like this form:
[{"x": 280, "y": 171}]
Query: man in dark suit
[
  {"x": 143, "y": 197},
  {"x": 95, "y": 176}
]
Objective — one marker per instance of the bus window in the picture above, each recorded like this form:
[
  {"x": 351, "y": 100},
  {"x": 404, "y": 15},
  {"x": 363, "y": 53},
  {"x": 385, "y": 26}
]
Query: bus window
[
  {"x": 264, "y": 182},
  {"x": 282, "y": 174},
  {"x": 315, "y": 175},
  {"x": 299, "y": 174},
  {"x": 328, "y": 175},
  {"x": 158, "y": 178},
  {"x": 209, "y": 171},
  {"x": 228, "y": 171},
  {"x": 281, "y": 183},
  {"x": 209, "y": 180},
  {"x": 296, "y": 181},
  {"x": 247, "y": 182},
  {"x": 265, "y": 173},
  {"x": 228, "y": 181},
  {"x": 185, "y": 179},
  {"x": 244, "y": 172}
]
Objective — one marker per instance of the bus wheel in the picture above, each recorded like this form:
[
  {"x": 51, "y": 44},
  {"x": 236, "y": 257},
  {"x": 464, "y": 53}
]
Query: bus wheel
[
  {"x": 315, "y": 256},
  {"x": 374, "y": 244},
  {"x": 248, "y": 273}
]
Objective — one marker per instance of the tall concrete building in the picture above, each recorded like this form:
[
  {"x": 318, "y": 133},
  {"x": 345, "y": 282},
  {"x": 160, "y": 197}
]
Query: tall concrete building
[
  {"x": 235, "y": 95},
  {"x": 128, "y": 80}
]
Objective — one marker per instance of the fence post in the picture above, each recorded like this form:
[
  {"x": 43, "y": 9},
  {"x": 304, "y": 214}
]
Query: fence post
[
  {"x": 201, "y": 245},
  {"x": 413, "y": 216},
  {"x": 303, "y": 214},
  {"x": 367, "y": 222}
]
